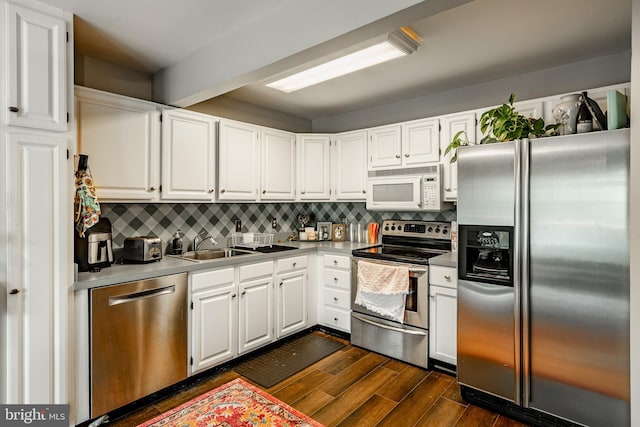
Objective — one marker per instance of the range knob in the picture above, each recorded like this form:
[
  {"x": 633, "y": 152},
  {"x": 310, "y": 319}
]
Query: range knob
[
  {"x": 430, "y": 229},
  {"x": 393, "y": 227},
  {"x": 445, "y": 231},
  {"x": 437, "y": 229}
]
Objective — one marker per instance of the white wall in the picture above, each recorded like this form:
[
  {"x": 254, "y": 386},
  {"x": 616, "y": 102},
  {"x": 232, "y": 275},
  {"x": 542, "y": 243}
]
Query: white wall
[
  {"x": 596, "y": 72},
  {"x": 634, "y": 216},
  {"x": 102, "y": 75}
]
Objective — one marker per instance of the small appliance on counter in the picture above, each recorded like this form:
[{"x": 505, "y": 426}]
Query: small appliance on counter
[
  {"x": 142, "y": 249},
  {"x": 93, "y": 251}
]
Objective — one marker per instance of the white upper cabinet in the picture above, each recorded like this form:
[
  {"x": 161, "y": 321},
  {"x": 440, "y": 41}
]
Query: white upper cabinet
[
  {"x": 121, "y": 136},
  {"x": 385, "y": 147},
  {"x": 36, "y": 69},
  {"x": 188, "y": 155},
  {"x": 451, "y": 125},
  {"x": 350, "y": 165},
  {"x": 238, "y": 161},
  {"x": 278, "y": 168},
  {"x": 314, "y": 166},
  {"x": 406, "y": 145},
  {"x": 420, "y": 142}
]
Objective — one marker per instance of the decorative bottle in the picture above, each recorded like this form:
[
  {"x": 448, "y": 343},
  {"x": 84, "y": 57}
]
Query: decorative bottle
[
  {"x": 584, "y": 121},
  {"x": 176, "y": 243}
]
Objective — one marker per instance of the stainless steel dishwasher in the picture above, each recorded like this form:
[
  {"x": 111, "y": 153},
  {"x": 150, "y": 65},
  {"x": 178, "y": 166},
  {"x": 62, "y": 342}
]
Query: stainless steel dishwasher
[{"x": 138, "y": 340}]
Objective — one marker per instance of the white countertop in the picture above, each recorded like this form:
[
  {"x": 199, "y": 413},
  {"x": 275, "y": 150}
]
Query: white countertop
[
  {"x": 450, "y": 259},
  {"x": 122, "y": 273}
]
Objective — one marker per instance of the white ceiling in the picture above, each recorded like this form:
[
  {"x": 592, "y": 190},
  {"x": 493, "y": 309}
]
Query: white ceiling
[{"x": 478, "y": 41}]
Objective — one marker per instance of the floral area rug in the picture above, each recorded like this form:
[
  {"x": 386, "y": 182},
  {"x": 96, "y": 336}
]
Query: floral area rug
[{"x": 234, "y": 404}]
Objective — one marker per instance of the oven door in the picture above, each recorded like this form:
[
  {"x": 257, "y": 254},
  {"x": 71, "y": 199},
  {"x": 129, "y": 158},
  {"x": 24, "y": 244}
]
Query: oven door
[{"x": 416, "y": 311}]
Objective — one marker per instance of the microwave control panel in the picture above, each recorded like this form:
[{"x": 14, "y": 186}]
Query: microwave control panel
[{"x": 430, "y": 192}]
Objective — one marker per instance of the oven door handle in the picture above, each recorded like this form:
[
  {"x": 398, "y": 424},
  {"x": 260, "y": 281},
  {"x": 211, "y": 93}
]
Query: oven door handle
[
  {"x": 391, "y": 328},
  {"x": 417, "y": 270}
]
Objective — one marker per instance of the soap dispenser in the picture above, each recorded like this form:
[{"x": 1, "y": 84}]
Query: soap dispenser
[{"x": 176, "y": 243}]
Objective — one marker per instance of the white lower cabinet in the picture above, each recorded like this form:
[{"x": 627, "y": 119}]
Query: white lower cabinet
[
  {"x": 291, "y": 295},
  {"x": 336, "y": 291},
  {"x": 214, "y": 310},
  {"x": 255, "y": 306},
  {"x": 443, "y": 313}
]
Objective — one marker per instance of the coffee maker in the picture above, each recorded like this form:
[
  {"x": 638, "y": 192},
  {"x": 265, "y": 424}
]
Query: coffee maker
[{"x": 93, "y": 251}]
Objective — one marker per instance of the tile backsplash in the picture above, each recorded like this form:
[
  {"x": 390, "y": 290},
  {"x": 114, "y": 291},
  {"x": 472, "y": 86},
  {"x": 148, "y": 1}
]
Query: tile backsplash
[{"x": 218, "y": 219}]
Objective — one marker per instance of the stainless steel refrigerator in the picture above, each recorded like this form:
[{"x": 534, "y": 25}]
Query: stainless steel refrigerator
[{"x": 543, "y": 293}]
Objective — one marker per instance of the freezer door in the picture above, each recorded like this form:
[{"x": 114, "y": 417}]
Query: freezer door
[
  {"x": 486, "y": 338},
  {"x": 487, "y": 184},
  {"x": 576, "y": 328}
]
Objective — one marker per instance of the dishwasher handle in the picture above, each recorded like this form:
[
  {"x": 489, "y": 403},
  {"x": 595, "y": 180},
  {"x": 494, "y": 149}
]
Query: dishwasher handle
[{"x": 149, "y": 293}]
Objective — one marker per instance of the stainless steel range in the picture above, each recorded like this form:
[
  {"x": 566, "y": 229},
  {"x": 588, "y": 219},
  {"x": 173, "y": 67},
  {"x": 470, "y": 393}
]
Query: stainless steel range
[{"x": 407, "y": 245}]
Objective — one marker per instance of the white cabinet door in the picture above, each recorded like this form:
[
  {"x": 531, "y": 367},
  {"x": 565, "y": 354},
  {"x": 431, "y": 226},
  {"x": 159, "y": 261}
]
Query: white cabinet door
[
  {"x": 291, "y": 302},
  {"x": 121, "y": 136},
  {"x": 255, "y": 322},
  {"x": 36, "y": 214},
  {"x": 314, "y": 171},
  {"x": 278, "y": 165},
  {"x": 420, "y": 142},
  {"x": 350, "y": 165},
  {"x": 238, "y": 161},
  {"x": 214, "y": 316},
  {"x": 451, "y": 125},
  {"x": 443, "y": 309},
  {"x": 385, "y": 147},
  {"x": 36, "y": 68},
  {"x": 188, "y": 155}
]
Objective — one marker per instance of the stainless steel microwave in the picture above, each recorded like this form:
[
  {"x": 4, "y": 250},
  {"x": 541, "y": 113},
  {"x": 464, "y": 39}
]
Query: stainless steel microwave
[{"x": 415, "y": 192}]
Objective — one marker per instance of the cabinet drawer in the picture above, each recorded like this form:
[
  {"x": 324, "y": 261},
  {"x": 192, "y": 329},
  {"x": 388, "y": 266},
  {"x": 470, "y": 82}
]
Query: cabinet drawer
[
  {"x": 337, "y": 318},
  {"x": 292, "y": 263},
  {"x": 252, "y": 271},
  {"x": 337, "y": 278},
  {"x": 337, "y": 261},
  {"x": 337, "y": 298},
  {"x": 443, "y": 276},
  {"x": 211, "y": 279}
]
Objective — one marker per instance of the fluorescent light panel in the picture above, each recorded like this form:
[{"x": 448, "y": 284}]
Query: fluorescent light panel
[{"x": 376, "y": 54}]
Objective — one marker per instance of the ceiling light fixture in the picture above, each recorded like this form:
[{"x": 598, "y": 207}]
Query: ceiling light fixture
[{"x": 393, "y": 45}]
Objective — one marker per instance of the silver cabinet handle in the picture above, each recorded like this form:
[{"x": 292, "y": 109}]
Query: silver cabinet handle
[
  {"x": 397, "y": 156},
  {"x": 233, "y": 296},
  {"x": 364, "y": 191},
  {"x": 14, "y": 291},
  {"x": 243, "y": 293},
  {"x": 447, "y": 189},
  {"x": 335, "y": 262},
  {"x": 432, "y": 296},
  {"x": 211, "y": 190},
  {"x": 335, "y": 299},
  {"x": 303, "y": 192},
  {"x": 281, "y": 283},
  {"x": 294, "y": 264},
  {"x": 406, "y": 155},
  {"x": 152, "y": 189},
  {"x": 335, "y": 319},
  {"x": 264, "y": 191},
  {"x": 335, "y": 279},
  {"x": 223, "y": 190},
  {"x": 14, "y": 109},
  {"x": 446, "y": 276}
]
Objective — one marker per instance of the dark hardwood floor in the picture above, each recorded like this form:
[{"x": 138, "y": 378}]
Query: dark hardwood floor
[{"x": 355, "y": 387}]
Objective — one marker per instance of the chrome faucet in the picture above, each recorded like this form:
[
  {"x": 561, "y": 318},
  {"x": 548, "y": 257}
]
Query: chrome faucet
[{"x": 201, "y": 239}]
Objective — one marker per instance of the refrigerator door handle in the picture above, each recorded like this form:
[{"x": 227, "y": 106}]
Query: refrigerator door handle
[
  {"x": 523, "y": 289},
  {"x": 520, "y": 177}
]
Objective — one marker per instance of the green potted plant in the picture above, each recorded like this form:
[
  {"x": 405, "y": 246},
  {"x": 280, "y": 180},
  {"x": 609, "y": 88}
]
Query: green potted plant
[{"x": 502, "y": 124}]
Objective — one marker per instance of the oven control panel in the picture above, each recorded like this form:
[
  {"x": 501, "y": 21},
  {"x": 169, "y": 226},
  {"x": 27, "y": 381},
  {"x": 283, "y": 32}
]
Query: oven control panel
[{"x": 420, "y": 229}]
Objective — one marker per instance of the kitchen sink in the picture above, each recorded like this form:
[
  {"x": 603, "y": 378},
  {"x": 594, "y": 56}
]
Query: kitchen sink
[{"x": 211, "y": 254}]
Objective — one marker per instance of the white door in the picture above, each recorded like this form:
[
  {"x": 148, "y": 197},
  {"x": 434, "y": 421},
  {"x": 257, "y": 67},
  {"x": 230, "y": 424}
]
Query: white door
[
  {"x": 291, "y": 306},
  {"x": 420, "y": 142},
  {"x": 238, "y": 161},
  {"x": 443, "y": 315},
  {"x": 278, "y": 168},
  {"x": 121, "y": 136},
  {"x": 255, "y": 324},
  {"x": 37, "y": 280},
  {"x": 36, "y": 68},
  {"x": 451, "y": 125},
  {"x": 314, "y": 172},
  {"x": 385, "y": 149},
  {"x": 214, "y": 326},
  {"x": 188, "y": 155},
  {"x": 350, "y": 166}
]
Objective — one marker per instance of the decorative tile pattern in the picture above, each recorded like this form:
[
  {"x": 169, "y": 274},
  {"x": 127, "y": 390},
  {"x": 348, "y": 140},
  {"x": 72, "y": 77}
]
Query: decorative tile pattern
[{"x": 218, "y": 219}]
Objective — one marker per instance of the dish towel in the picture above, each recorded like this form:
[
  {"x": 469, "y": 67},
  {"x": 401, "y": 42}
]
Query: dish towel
[
  {"x": 87, "y": 208},
  {"x": 383, "y": 289}
]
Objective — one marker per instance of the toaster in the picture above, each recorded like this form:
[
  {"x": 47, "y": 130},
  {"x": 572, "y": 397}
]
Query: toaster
[{"x": 142, "y": 249}]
